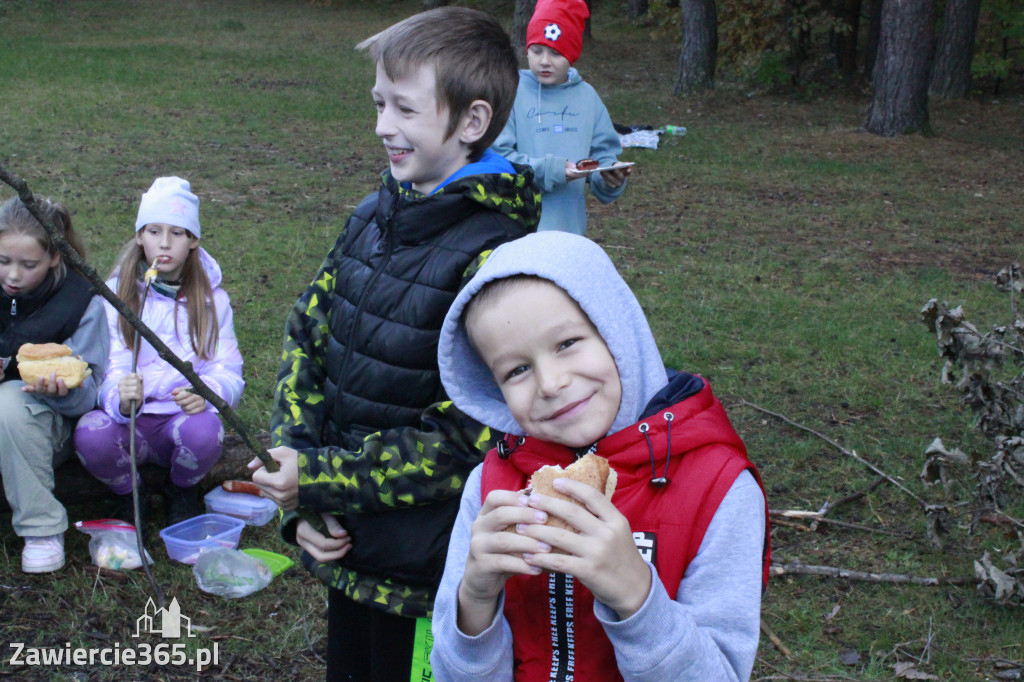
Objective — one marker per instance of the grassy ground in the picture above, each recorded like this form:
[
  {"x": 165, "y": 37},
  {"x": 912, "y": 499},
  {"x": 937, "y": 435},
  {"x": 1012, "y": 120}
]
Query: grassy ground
[{"x": 778, "y": 251}]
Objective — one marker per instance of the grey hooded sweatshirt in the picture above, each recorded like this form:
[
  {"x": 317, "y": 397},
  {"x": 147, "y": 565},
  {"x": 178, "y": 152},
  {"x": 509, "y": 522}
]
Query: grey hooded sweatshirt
[{"x": 710, "y": 630}]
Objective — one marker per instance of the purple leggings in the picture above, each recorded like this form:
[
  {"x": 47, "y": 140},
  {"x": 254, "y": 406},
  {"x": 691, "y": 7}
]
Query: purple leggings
[{"x": 189, "y": 444}]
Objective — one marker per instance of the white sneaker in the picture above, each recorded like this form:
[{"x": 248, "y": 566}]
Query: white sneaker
[{"x": 43, "y": 555}]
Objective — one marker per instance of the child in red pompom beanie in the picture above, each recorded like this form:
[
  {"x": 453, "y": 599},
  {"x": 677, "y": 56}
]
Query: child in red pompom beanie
[{"x": 559, "y": 119}]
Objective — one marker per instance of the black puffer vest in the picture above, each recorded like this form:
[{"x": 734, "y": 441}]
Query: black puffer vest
[
  {"x": 51, "y": 316},
  {"x": 401, "y": 265}
]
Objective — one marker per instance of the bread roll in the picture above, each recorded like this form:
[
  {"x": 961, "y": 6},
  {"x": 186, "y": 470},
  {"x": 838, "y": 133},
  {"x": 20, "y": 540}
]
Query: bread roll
[
  {"x": 587, "y": 164},
  {"x": 41, "y": 360},
  {"x": 590, "y": 469}
]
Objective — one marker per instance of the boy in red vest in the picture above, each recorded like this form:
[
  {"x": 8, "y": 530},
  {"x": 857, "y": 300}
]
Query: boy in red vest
[{"x": 548, "y": 344}]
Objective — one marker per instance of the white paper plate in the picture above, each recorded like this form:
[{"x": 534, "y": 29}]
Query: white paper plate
[{"x": 620, "y": 164}]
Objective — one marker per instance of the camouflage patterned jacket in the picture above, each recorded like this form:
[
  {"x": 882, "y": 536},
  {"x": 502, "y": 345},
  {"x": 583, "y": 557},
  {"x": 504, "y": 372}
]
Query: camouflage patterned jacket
[{"x": 358, "y": 390}]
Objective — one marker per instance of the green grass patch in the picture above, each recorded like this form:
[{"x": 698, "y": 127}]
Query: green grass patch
[{"x": 778, "y": 252}]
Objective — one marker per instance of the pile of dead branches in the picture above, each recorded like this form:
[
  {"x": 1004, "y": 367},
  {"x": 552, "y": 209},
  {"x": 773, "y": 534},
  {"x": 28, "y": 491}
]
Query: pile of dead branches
[{"x": 987, "y": 369}]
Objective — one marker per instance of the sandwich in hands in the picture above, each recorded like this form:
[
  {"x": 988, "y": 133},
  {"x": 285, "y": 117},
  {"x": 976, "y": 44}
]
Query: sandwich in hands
[
  {"x": 42, "y": 360},
  {"x": 590, "y": 469}
]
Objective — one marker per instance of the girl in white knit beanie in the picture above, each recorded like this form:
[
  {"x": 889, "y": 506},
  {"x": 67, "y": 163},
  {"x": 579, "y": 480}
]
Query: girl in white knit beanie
[{"x": 188, "y": 310}]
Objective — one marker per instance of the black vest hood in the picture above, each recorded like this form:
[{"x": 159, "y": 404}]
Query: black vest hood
[{"x": 50, "y": 316}]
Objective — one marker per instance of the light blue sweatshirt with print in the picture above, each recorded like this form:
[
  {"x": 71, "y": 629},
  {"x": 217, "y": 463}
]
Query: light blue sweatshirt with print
[{"x": 552, "y": 124}]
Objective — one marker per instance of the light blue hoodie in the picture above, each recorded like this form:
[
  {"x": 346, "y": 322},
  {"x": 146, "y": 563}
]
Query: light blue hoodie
[{"x": 552, "y": 124}]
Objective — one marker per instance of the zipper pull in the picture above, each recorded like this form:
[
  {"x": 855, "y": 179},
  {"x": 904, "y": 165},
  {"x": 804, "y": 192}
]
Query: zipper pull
[{"x": 14, "y": 307}]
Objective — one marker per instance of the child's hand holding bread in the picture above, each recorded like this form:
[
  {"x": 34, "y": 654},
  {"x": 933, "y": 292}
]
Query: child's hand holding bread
[
  {"x": 50, "y": 368},
  {"x": 563, "y": 522},
  {"x": 589, "y": 538}
]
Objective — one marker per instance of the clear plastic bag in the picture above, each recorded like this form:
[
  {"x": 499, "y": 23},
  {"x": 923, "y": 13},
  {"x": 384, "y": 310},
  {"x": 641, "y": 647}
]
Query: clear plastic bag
[
  {"x": 113, "y": 544},
  {"x": 230, "y": 573}
]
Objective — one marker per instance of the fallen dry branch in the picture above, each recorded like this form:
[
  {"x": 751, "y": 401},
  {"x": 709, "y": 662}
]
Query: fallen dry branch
[
  {"x": 782, "y": 675},
  {"x": 774, "y": 639},
  {"x": 309, "y": 643},
  {"x": 860, "y": 526},
  {"x": 998, "y": 662},
  {"x": 781, "y": 523},
  {"x": 852, "y": 497},
  {"x": 796, "y": 568},
  {"x": 845, "y": 451},
  {"x": 778, "y": 515},
  {"x": 998, "y": 517}
]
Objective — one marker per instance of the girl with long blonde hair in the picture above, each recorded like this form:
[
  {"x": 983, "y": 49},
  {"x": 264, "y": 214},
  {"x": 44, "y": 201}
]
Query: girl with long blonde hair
[{"x": 188, "y": 310}]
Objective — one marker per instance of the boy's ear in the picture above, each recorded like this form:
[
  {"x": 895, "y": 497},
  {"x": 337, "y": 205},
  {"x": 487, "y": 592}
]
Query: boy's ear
[{"x": 475, "y": 121}]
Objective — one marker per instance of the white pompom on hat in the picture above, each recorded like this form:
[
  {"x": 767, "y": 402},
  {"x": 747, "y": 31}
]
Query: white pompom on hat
[{"x": 170, "y": 201}]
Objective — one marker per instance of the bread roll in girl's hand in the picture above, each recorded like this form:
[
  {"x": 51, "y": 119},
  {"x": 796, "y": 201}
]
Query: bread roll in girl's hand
[
  {"x": 42, "y": 360},
  {"x": 590, "y": 469}
]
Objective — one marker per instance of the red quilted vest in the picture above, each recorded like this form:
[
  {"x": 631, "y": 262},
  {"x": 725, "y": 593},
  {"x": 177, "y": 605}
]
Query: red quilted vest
[{"x": 550, "y": 614}]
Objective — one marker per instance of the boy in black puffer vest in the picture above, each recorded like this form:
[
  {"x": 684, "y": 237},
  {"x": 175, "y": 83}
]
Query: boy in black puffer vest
[{"x": 373, "y": 456}]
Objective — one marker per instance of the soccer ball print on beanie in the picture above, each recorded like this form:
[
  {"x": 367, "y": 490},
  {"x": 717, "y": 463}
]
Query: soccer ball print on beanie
[{"x": 559, "y": 25}]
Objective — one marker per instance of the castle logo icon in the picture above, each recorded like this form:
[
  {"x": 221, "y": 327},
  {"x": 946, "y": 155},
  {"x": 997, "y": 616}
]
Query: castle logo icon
[{"x": 166, "y": 622}]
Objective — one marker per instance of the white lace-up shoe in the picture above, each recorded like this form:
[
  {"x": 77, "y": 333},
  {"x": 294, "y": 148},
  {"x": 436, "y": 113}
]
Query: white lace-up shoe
[{"x": 43, "y": 555}]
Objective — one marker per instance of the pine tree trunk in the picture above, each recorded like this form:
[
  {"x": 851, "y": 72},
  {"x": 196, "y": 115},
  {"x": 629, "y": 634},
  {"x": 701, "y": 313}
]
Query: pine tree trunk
[
  {"x": 899, "y": 104},
  {"x": 700, "y": 47},
  {"x": 520, "y": 20},
  {"x": 951, "y": 75}
]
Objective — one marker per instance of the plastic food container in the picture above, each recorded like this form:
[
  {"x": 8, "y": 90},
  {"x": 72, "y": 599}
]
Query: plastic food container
[
  {"x": 185, "y": 540},
  {"x": 255, "y": 511}
]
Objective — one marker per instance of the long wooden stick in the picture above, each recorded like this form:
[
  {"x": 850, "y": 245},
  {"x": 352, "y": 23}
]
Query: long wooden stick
[
  {"x": 848, "y": 453},
  {"x": 74, "y": 259},
  {"x": 774, "y": 639},
  {"x": 796, "y": 568},
  {"x": 829, "y": 505},
  {"x": 133, "y": 459},
  {"x": 817, "y": 517}
]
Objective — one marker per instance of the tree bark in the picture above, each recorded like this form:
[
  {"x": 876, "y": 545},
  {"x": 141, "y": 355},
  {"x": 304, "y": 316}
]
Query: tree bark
[
  {"x": 637, "y": 9},
  {"x": 899, "y": 104},
  {"x": 951, "y": 75},
  {"x": 700, "y": 47},
  {"x": 520, "y": 20}
]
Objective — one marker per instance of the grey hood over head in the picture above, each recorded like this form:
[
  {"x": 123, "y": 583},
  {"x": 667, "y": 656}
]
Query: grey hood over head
[{"x": 582, "y": 269}]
